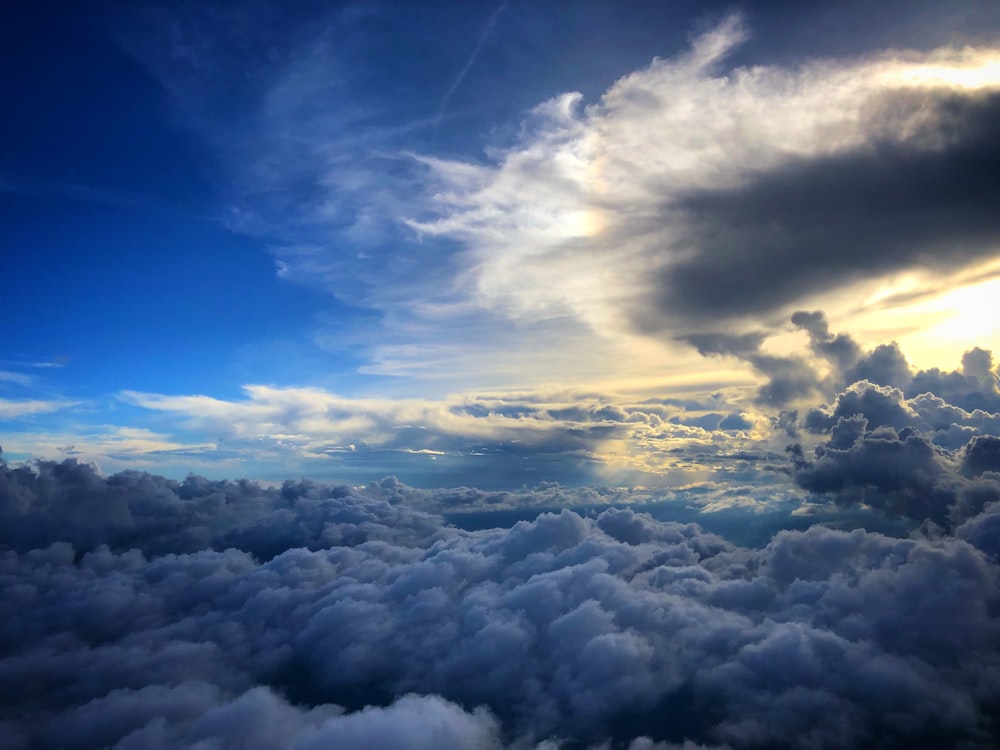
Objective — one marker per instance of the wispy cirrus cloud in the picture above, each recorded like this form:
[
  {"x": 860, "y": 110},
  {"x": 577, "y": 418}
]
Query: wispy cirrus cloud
[
  {"x": 11, "y": 409},
  {"x": 16, "y": 378}
]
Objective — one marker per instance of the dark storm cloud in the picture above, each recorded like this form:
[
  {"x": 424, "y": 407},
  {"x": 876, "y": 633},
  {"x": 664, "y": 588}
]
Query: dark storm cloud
[
  {"x": 789, "y": 378},
  {"x": 569, "y": 629},
  {"x": 825, "y": 221}
]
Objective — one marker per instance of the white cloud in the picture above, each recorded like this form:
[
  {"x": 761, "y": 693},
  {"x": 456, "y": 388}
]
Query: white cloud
[
  {"x": 623, "y": 439},
  {"x": 581, "y": 214},
  {"x": 15, "y": 409},
  {"x": 544, "y": 261},
  {"x": 17, "y": 378}
]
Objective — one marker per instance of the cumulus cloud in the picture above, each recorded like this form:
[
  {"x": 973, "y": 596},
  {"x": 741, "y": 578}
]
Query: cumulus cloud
[
  {"x": 973, "y": 387},
  {"x": 164, "y": 614},
  {"x": 915, "y": 455},
  {"x": 832, "y": 362}
]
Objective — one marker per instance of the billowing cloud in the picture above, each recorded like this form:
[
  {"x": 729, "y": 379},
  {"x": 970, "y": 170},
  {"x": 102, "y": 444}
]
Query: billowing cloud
[
  {"x": 164, "y": 614},
  {"x": 691, "y": 194},
  {"x": 921, "y": 456}
]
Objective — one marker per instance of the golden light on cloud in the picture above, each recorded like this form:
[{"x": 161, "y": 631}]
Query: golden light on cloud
[
  {"x": 973, "y": 69},
  {"x": 582, "y": 223},
  {"x": 967, "y": 317},
  {"x": 934, "y": 319}
]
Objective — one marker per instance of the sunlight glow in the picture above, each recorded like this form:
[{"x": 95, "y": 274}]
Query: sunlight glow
[
  {"x": 581, "y": 223},
  {"x": 967, "y": 317},
  {"x": 982, "y": 71}
]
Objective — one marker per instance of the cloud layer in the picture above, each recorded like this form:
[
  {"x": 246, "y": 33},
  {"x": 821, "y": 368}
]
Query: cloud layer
[
  {"x": 149, "y": 612},
  {"x": 143, "y": 612}
]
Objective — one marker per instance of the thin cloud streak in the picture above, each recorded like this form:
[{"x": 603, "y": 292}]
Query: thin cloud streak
[
  {"x": 10, "y": 409},
  {"x": 460, "y": 78}
]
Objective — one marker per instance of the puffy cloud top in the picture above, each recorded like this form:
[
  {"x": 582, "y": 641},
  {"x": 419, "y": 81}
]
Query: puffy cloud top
[{"x": 141, "y": 612}]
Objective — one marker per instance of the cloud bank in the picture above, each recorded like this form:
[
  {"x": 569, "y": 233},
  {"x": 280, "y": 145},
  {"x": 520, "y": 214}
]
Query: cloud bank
[
  {"x": 149, "y": 612},
  {"x": 144, "y": 612}
]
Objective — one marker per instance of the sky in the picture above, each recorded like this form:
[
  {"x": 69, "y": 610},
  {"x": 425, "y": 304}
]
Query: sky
[
  {"x": 347, "y": 240},
  {"x": 500, "y": 374}
]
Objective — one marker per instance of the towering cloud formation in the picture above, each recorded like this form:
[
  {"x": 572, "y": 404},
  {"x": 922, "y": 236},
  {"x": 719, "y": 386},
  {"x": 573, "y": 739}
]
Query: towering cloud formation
[
  {"x": 141, "y": 612},
  {"x": 902, "y": 441},
  {"x": 670, "y": 204}
]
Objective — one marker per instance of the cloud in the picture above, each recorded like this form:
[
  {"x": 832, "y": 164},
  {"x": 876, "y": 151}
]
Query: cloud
[
  {"x": 163, "y": 614},
  {"x": 921, "y": 456},
  {"x": 577, "y": 247},
  {"x": 885, "y": 364},
  {"x": 487, "y": 30},
  {"x": 196, "y": 715},
  {"x": 835, "y": 361},
  {"x": 668, "y": 204},
  {"x": 896, "y": 205},
  {"x": 16, "y": 378},
  {"x": 15, "y": 409},
  {"x": 493, "y": 439},
  {"x": 789, "y": 378},
  {"x": 920, "y": 444},
  {"x": 975, "y": 386}
]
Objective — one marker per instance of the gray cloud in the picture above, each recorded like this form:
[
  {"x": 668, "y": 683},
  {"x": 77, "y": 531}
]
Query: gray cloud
[
  {"x": 885, "y": 365},
  {"x": 163, "y": 614},
  {"x": 920, "y": 457},
  {"x": 973, "y": 387},
  {"x": 973, "y": 390},
  {"x": 827, "y": 221},
  {"x": 789, "y": 378}
]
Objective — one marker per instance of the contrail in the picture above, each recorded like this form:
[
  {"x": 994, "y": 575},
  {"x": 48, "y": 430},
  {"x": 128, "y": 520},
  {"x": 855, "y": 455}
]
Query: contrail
[{"x": 469, "y": 63}]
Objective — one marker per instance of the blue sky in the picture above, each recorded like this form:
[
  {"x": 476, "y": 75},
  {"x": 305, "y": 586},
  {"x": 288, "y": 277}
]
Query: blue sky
[
  {"x": 472, "y": 242},
  {"x": 481, "y": 375}
]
